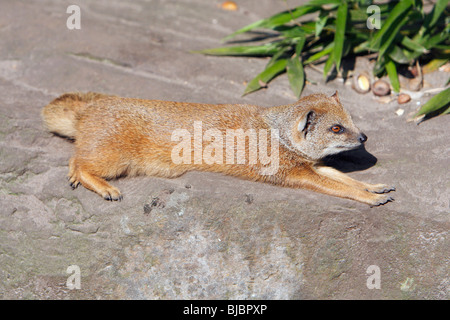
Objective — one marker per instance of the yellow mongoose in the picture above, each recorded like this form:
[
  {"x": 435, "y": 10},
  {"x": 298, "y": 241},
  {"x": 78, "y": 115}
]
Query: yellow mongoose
[{"x": 117, "y": 136}]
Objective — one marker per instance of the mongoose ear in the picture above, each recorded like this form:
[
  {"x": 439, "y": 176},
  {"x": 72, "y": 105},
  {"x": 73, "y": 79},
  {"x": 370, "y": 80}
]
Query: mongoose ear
[
  {"x": 336, "y": 97},
  {"x": 306, "y": 121}
]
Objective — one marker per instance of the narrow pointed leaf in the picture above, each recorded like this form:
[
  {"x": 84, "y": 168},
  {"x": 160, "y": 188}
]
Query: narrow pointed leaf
[
  {"x": 277, "y": 56},
  {"x": 413, "y": 45},
  {"x": 320, "y": 54},
  {"x": 437, "y": 102},
  {"x": 390, "y": 36},
  {"x": 397, "y": 54},
  {"x": 392, "y": 73},
  {"x": 323, "y": 2},
  {"x": 328, "y": 65},
  {"x": 266, "y": 76},
  {"x": 276, "y": 20},
  {"x": 438, "y": 9},
  {"x": 435, "y": 40},
  {"x": 296, "y": 75},
  {"x": 434, "y": 64},
  {"x": 299, "y": 46},
  {"x": 396, "y": 15},
  {"x": 358, "y": 15},
  {"x": 263, "y": 50},
  {"x": 341, "y": 22},
  {"x": 363, "y": 46},
  {"x": 379, "y": 66},
  {"x": 320, "y": 23}
]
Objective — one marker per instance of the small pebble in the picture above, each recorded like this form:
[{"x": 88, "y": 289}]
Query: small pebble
[
  {"x": 147, "y": 208},
  {"x": 403, "y": 98},
  {"x": 249, "y": 198},
  {"x": 229, "y": 5},
  {"x": 381, "y": 88}
]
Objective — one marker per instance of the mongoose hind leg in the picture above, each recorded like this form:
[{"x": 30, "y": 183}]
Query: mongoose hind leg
[{"x": 92, "y": 182}]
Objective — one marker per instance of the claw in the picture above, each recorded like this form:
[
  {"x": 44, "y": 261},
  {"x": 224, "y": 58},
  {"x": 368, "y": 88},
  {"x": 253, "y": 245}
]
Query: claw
[
  {"x": 384, "y": 201},
  {"x": 382, "y": 189},
  {"x": 109, "y": 197},
  {"x": 74, "y": 185}
]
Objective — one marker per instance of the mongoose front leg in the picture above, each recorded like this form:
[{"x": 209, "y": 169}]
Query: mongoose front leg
[
  {"x": 342, "y": 177},
  {"x": 310, "y": 179},
  {"x": 92, "y": 182}
]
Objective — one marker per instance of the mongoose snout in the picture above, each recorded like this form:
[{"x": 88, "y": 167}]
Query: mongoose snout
[{"x": 362, "y": 138}]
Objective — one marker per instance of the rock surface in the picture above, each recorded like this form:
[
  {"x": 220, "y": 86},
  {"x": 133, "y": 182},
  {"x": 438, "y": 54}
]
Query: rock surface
[{"x": 207, "y": 236}]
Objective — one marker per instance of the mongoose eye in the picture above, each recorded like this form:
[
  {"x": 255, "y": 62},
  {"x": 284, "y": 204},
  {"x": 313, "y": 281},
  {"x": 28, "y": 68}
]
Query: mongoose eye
[{"x": 337, "y": 128}]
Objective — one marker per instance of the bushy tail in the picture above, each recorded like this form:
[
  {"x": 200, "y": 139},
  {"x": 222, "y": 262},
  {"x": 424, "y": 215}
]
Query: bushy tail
[{"x": 60, "y": 115}]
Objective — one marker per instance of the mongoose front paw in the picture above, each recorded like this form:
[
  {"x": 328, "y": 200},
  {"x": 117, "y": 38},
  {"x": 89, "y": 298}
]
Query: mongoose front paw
[
  {"x": 112, "y": 194},
  {"x": 381, "y": 188},
  {"x": 380, "y": 200},
  {"x": 73, "y": 182}
]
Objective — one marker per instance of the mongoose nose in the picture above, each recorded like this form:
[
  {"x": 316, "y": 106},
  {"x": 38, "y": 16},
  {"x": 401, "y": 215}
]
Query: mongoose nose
[{"x": 362, "y": 138}]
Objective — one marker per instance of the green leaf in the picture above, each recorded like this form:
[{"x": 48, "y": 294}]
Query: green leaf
[
  {"x": 397, "y": 14},
  {"x": 442, "y": 47},
  {"x": 412, "y": 55},
  {"x": 321, "y": 22},
  {"x": 379, "y": 66},
  {"x": 434, "y": 64},
  {"x": 363, "y": 46},
  {"x": 276, "y": 20},
  {"x": 264, "y": 77},
  {"x": 441, "y": 100},
  {"x": 328, "y": 64},
  {"x": 341, "y": 22},
  {"x": 277, "y": 56},
  {"x": 263, "y": 50},
  {"x": 389, "y": 37},
  {"x": 292, "y": 31},
  {"x": 446, "y": 111},
  {"x": 392, "y": 73},
  {"x": 296, "y": 75},
  {"x": 398, "y": 55},
  {"x": 299, "y": 46},
  {"x": 358, "y": 15},
  {"x": 435, "y": 40},
  {"x": 413, "y": 45},
  {"x": 320, "y": 54},
  {"x": 323, "y": 2},
  {"x": 438, "y": 9}
]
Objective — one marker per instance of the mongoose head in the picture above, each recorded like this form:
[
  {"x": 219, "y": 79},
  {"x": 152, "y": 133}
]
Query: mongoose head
[{"x": 317, "y": 126}]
